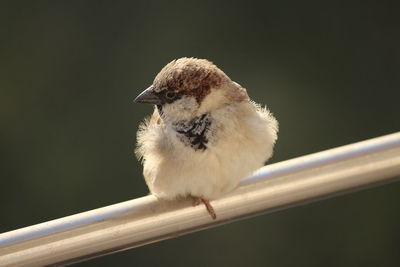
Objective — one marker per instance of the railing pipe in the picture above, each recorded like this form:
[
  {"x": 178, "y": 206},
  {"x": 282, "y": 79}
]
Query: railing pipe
[{"x": 146, "y": 220}]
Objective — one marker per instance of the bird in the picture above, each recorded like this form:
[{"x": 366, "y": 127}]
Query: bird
[{"x": 204, "y": 135}]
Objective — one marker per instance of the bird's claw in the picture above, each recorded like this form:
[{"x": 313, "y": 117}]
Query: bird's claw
[{"x": 210, "y": 209}]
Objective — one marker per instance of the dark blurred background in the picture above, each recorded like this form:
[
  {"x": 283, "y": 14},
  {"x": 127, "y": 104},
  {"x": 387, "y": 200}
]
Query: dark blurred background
[{"x": 69, "y": 70}]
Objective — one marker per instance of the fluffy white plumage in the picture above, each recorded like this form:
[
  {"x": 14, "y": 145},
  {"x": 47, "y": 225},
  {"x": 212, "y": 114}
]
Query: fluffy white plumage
[{"x": 236, "y": 135}]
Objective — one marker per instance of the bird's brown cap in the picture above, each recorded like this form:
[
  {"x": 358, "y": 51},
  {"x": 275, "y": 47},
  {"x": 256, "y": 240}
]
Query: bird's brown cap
[{"x": 191, "y": 76}]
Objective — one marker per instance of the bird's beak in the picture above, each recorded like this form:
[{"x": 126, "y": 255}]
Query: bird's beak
[{"x": 148, "y": 96}]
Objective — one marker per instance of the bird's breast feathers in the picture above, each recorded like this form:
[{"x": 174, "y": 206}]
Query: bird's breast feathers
[{"x": 206, "y": 156}]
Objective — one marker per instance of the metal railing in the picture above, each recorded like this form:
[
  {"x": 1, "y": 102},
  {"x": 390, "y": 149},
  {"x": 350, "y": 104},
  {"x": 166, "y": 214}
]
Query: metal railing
[{"x": 145, "y": 220}]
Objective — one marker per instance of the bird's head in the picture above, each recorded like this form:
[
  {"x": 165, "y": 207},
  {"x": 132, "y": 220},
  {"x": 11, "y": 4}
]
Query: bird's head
[{"x": 188, "y": 87}]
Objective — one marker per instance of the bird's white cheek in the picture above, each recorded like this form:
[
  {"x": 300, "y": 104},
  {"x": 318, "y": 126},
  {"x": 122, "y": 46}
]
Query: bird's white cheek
[
  {"x": 214, "y": 100},
  {"x": 182, "y": 109}
]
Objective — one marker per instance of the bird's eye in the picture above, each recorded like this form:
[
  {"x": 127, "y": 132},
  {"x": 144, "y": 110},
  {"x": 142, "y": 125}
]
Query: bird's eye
[{"x": 170, "y": 95}]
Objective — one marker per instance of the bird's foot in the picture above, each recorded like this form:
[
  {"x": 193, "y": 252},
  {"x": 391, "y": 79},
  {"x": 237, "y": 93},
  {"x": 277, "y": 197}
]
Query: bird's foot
[{"x": 210, "y": 209}]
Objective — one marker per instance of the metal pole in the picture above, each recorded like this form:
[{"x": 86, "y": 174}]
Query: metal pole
[{"x": 145, "y": 220}]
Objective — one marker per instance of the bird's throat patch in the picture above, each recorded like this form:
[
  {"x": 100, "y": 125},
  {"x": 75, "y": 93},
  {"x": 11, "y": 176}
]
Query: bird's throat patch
[{"x": 194, "y": 132}]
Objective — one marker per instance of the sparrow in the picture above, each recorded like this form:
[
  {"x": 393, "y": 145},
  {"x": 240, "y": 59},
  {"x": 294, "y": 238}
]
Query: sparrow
[{"x": 204, "y": 135}]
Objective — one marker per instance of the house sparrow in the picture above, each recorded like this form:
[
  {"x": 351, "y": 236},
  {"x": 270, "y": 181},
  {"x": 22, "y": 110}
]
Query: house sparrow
[{"x": 205, "y": 133}]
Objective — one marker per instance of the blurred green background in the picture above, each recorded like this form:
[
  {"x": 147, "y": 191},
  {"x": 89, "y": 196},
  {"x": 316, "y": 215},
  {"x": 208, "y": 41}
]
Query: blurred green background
[{"x": 69, "y": 70}]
